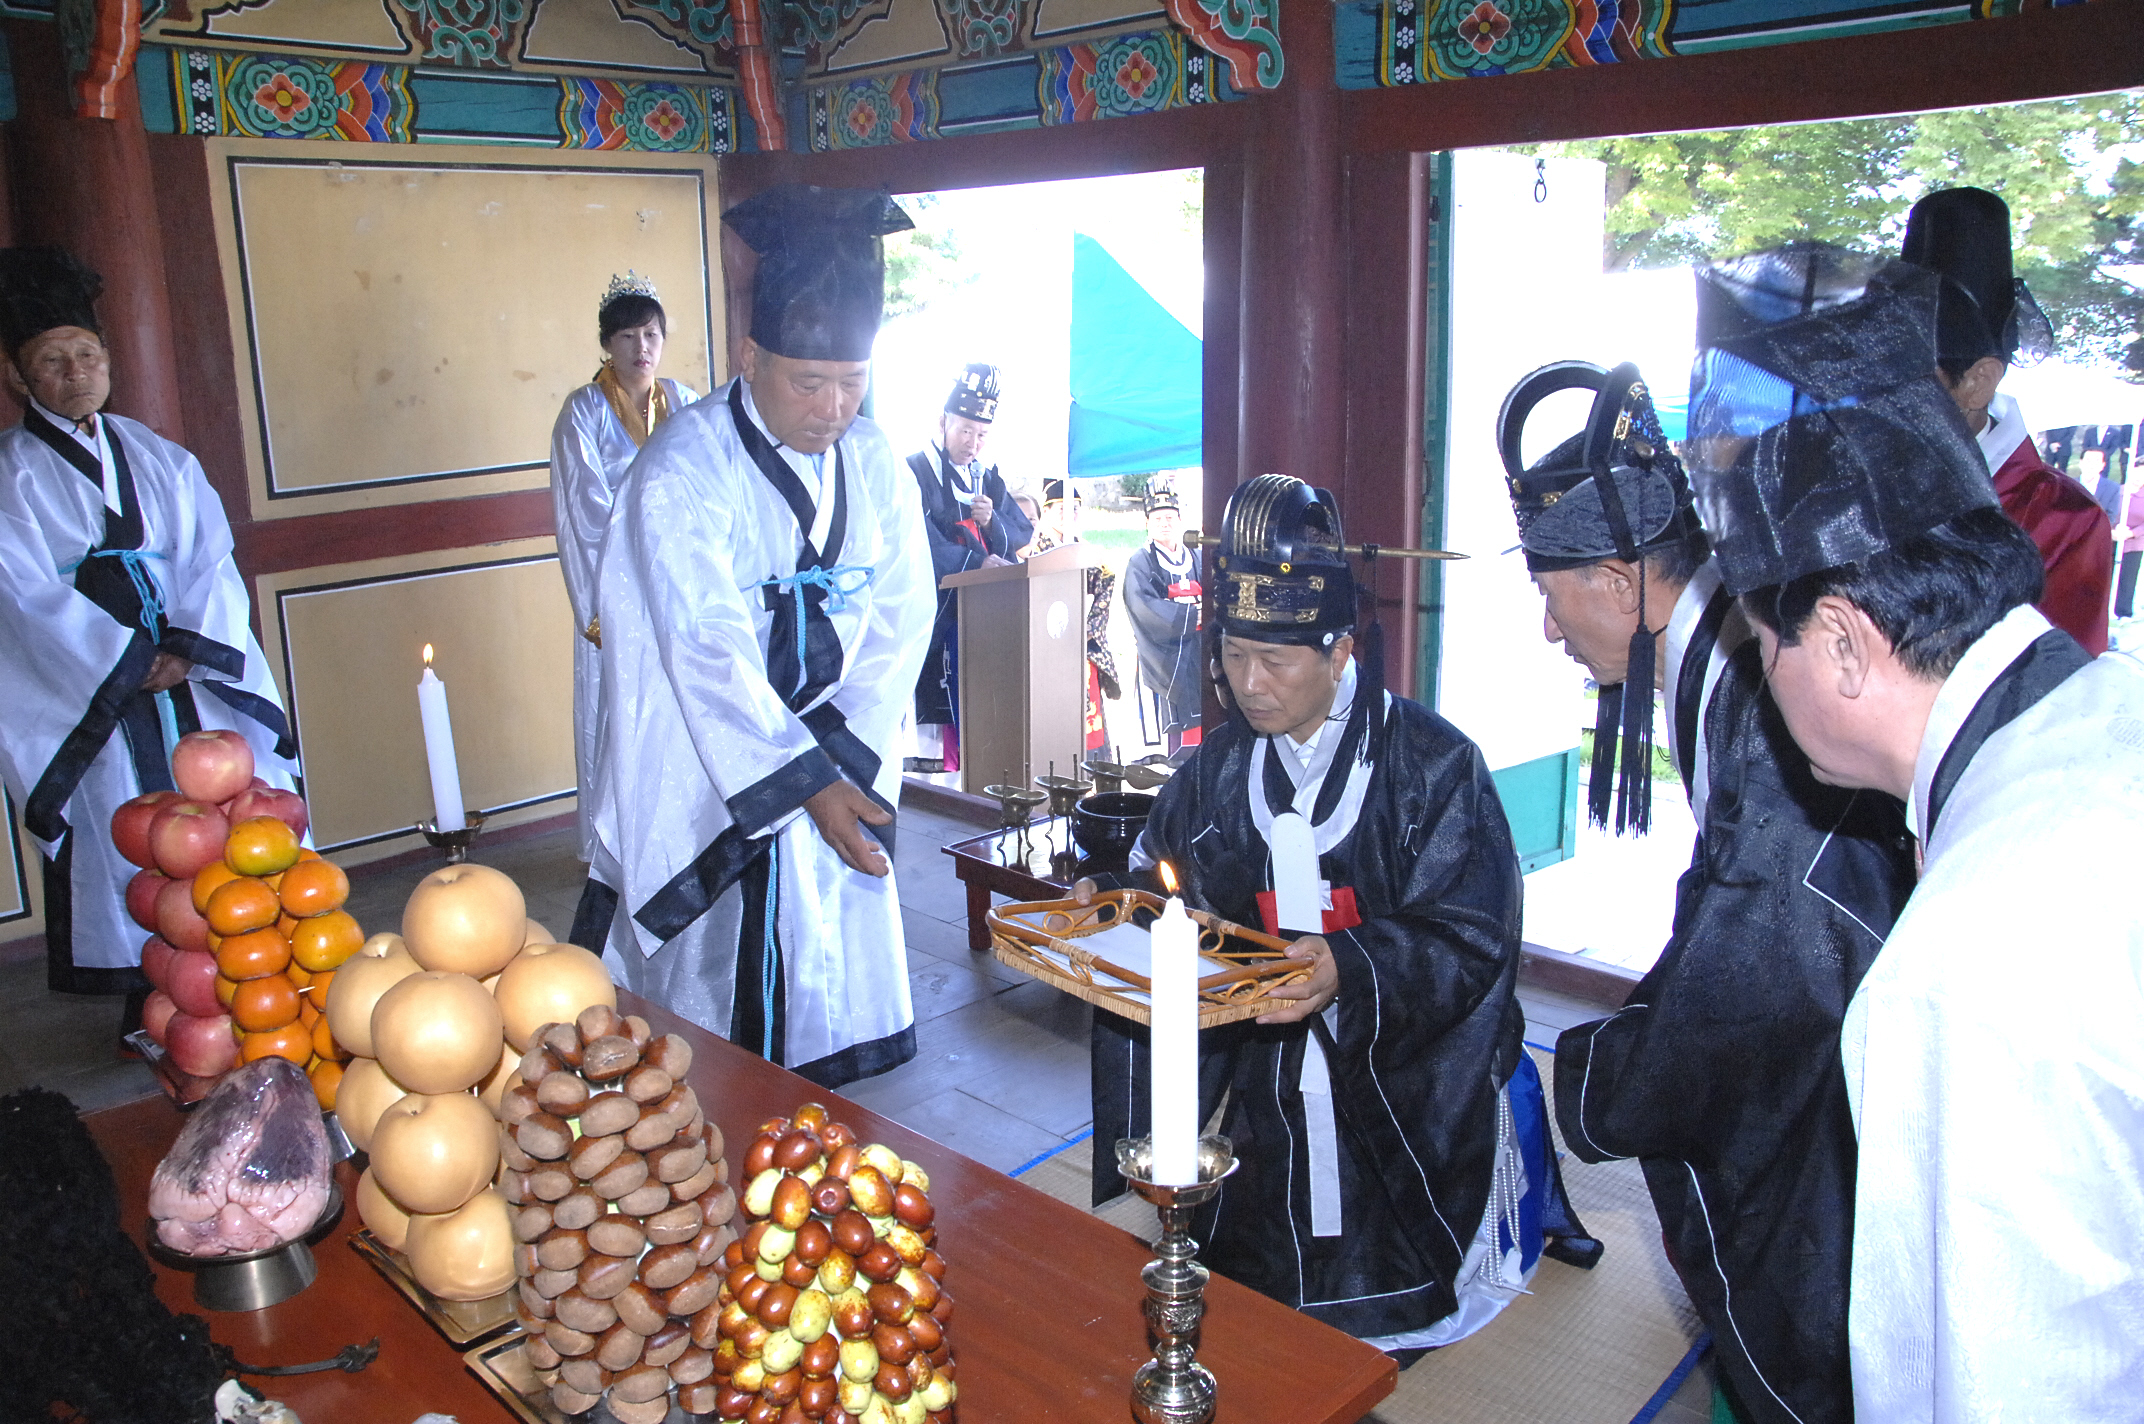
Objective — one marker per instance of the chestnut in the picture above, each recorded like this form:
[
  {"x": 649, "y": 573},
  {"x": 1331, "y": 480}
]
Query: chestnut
[
  {"x": 830, "y": 1196},
  {"x": 708, "y": 1334},
  {"x": 852, "y": 1232},
  {"x": 666, "y": 1344},
  {"x": 775, "y": 1303},
  {"x": 841, "y": 1161},
  {"x": 890, "y": 1303},
  {"x": 911, "y": 1206},
  {"x": 758, "y": 1157},
  {"x": 563, "y": 1044},
  {"x": 700, "y": 1398},
  {"x": 798, "y": 1272},
  {"x": 880, "y": 1263},
  {"x": 795, "y": 1149},
  {"x": 892, "y": 1343},
  {"x": 892, "y": 1381},
  {"x": 598, "y": 1021},
  {"x": 821, "y": 1357},
  {"x": 814, "y": 1240},
  {"x": 636, "y": 1028},
  {"x": 869, "y": 1191},
  {"x": 790, "y": 1204},
  {"x": 691, "y": 1366}
]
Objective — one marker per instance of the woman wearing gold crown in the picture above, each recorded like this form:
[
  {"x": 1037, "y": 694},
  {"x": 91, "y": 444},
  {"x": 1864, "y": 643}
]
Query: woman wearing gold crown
[{"x": 599, "y": 431}]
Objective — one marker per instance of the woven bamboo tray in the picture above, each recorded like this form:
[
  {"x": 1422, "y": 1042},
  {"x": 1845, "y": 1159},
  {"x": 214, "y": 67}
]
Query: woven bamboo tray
[{"x": 1041, "y": 938}]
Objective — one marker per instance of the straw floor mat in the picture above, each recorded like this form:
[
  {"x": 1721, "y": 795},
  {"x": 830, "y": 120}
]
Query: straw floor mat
[{"x": 1585, "y": 1347}]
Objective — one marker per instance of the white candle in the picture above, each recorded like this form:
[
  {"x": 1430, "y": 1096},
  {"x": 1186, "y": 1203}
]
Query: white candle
[
  {"x": 1174, "y": 1067},
  {"x": 439, "y": 749}
]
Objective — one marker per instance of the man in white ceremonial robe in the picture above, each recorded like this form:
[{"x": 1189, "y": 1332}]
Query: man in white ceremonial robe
[
  {"x": 124, "y": 623},
  {"x": 598, "y": 434},
  {"x": 1992, "y": 1053},
  {"x": 766, "y": 597}
]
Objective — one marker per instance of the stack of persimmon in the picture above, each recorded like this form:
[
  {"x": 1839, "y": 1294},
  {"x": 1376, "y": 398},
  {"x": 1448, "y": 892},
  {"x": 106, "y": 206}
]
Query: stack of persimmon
[{"x": 244, "y": 951}]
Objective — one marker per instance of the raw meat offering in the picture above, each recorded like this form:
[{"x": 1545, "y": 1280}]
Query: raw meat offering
[{"x": 250, "y": 1170}]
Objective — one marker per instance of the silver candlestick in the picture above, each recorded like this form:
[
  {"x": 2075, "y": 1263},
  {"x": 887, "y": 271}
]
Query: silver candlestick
[
  {"x": 454, "y": 843},
  {"x": 1173, "y": 1387}
]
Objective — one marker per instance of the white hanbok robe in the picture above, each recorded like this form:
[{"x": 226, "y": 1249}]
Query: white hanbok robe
[
  {"x": 77, "y": 738},
  {"x": 590, "y": 450},
  {"x": 1994, "y": 1058},
  {"x": 696, "y": 742}
]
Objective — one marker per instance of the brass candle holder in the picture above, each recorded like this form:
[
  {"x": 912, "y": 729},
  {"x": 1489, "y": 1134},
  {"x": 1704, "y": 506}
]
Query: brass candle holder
[
  {"x": 454, "y": 843},
  {"x": 1173, "y": 1387},
  {"x": 1108, "y": 776},
  {"x": 1016, "y": 808}
]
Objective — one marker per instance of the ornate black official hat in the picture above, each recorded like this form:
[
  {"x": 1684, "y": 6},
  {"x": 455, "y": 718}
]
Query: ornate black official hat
[
  {"x": 821, "y": 285},
  {"x": 1161, "y": 494},
  {"x": 1284, "y": 577},
  {"x": 1819, "y": 433},
  {"x": 1963, "y": 235},
  {"x": 1614, "y": 490},
  {"x": 1058, "y": 489},
  {"x": 42, "y": 288},
  {"x": 975, "y": 394}
]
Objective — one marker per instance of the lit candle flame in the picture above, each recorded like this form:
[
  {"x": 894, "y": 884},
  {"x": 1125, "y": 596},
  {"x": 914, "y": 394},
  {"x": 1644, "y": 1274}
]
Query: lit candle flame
[
  {"x": 1168, "y": 876},
  {"x": 427, "y": 654}
]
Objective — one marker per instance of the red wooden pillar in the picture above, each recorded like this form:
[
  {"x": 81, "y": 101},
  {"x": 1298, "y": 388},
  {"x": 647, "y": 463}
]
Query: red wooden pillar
[
  {"x": 85, "y": 184},
  {"x": 1291, "y": 414}
]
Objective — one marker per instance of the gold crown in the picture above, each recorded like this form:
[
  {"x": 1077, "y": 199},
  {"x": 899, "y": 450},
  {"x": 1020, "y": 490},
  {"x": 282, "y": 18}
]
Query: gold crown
[{"x": 632, "y": 284}]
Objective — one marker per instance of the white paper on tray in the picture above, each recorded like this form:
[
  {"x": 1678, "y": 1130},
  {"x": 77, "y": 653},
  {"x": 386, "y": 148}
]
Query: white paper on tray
[{"x": 1126, "y": 946}]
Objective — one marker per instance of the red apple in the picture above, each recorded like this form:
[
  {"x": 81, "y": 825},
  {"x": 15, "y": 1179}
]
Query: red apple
[
  {"x": 156, "y": 952},
  {"x": 202, "y": 1046},
  {"x": 130, "y": 824},
  {"x": 185, "y": 836},
  {"x": 176, "y": 918},
  {"x": 190, "y": 980},
  {"x": 141, "y": 896},
  {"x": 156, "y": 1012},
  {"x": 286, "y": 806},
  {"x": 212, "y": 767}
]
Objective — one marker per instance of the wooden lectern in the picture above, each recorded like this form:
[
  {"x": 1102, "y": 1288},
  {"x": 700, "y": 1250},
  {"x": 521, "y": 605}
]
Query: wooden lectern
[{"x": 1023, "y": 667}]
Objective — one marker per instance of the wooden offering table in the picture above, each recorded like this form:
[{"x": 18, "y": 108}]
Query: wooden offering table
[
  {"x": 1000, "y": 863},
  {"x": 1047, "y": 1322}
]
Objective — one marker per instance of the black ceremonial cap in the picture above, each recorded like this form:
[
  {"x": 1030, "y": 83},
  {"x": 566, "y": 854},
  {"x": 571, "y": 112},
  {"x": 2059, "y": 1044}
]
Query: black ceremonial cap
[
  {"x": 1612, "y": 490},
  {"x": 1819, "y": 434},
  {"x": 821, "y": 285},
  {"x": 975, "y": 394},
  {"x": 1284, "y": 576},
  {"x": 1963, "y": 235},
  {"x": 42, "y": 288},
  {"x": 1161, "y": 494}
]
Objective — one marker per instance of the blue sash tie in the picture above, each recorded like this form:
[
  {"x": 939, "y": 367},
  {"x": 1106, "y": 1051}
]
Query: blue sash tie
[
  {"x": 840, "y": 582},
  {"x": 152, "y": 596}
]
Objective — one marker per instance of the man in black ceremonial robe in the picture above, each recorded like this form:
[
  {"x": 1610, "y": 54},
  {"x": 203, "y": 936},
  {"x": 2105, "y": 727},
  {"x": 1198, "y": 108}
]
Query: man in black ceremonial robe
[
  {"x": 1722, "y": 1073},
  {"x": 1396, "y": 1179},
  {"x": 973, "y": 524},
  {"x": 1162, "y": 595}
]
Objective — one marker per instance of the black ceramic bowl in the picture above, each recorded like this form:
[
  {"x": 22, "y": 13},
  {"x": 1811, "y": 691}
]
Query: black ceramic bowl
[{"x": 1106, "y": 825}]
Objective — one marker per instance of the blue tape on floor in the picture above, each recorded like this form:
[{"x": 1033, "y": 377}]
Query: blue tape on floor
[
  {"x": 1548, "y": 1048},
  {"x": 1033, "y": 1162},
  {"x": 1673, "y": 1382}
]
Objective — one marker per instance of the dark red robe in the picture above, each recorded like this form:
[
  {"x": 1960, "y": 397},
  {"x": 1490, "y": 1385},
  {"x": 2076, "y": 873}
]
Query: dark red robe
[{"x": 2076, "y": 542}]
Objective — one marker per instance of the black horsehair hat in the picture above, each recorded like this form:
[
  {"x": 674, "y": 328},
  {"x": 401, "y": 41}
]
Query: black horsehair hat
[
  {"x": 975, "y": 394},
  {"x": 1284, "y": 577},
  {"x": 821, "y": 285},
  {"x": 1819, "y": 433},
  {"x": 1963, "y": 236},
  {"x": 1613, "y": 490},
  {"x": 43, "y": 288},
  {"x": 1161, "y": 494}
]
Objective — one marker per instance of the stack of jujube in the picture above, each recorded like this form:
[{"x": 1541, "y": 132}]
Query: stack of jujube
[
  {"x": 831, "y": 1307},
  {"x": 622, "y": 1206}
]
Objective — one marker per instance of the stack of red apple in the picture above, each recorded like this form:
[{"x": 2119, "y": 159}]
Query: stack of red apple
[
  {"x": 832, "y": 1308},
  {"x": 437, "y": 1018},
  {"x": 178, "y": 838}
]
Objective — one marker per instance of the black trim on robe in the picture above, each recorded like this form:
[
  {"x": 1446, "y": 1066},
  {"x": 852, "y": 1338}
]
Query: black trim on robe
[
  {"x": 62, "y": 974},
  {"x": 775, "y": 795},
  {"x": 1429, "y": 1030},
  {"x": 259, "y": 708},
  {"x": 593, "y": 916},
  {"x": 2045, "y": 664},
  {"x": 799, "y": 686},
  {"x": 42, "y": 812},
  {"x": 860, "y": 1060},
  {"x": 204, "y": 651},
  {"x": 749, "y": 1026},
  {"x": 1722, "y": 1072}
]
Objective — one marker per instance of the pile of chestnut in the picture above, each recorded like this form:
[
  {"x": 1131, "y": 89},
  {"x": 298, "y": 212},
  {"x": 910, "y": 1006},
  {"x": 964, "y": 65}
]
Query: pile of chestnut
[
  {"x": 622, "y": 1214},
  {"x": 831, "y": 1308}
]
